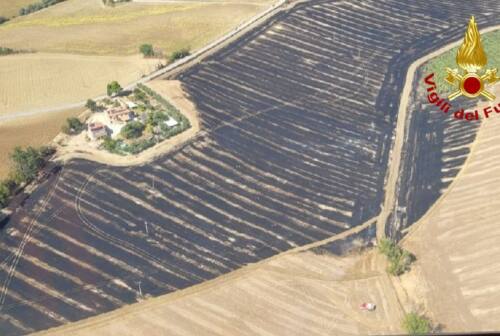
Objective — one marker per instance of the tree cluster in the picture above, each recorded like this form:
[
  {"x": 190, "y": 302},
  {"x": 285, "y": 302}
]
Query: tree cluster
[
  {"x": 399, "y": 259},
  {"x": 132, "y": 130},
  {"x": 73, "y": 126},
  {"x": 38, "y": 6},
  {"x": 26, "y": 164}
]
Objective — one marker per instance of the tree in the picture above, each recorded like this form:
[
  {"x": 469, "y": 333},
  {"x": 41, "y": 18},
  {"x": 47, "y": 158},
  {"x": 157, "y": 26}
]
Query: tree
[
  {"x": 114, "y": 88},
  {"x": 4, "y": 194},
  {"x": 92, "y": 105},
  {"x": 73, "y": 126},
  {"x": 415, "y": 324},
  {"x": 132, "y": 130},
  {"x": 147, "y": 50},
  {"x": 26, "y": 163}
]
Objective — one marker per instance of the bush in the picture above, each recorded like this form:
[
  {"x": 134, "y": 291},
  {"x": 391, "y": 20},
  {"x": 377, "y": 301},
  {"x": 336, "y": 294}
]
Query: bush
[
  {"x": 139, "y": 95},
  {"x": 147, "y": 50},
  {"x": 92, "y": 106},
  {"x": 399, "y": 259},
  {"x": 113, "y": 88},
  {"x": 132, "y": 130},
  {"x": 7, "y": 51},
  {"x": 3, "y": 19},
  {"x": 4, "y": 194},
  {"x": 26, "y": 163},
  {"x": 415, "y": 324},
  {"x": 179, "y": 54},
  {"x": 73, "y": 126}
]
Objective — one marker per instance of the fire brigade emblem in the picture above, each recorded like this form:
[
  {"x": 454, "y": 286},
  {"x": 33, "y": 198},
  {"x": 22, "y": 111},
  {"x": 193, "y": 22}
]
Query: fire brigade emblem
[{"x": 471, "y": 58}]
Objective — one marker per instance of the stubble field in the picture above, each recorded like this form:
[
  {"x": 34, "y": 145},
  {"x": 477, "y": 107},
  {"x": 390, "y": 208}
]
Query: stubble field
[{"x": 10, "y": 8}]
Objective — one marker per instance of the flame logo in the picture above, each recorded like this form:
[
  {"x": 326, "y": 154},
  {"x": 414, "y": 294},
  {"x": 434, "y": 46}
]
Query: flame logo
[{"x": 471, "y": 56}]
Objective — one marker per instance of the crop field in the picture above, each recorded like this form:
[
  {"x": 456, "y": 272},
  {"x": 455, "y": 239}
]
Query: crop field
[
  {"x": 36, "y": 82},
  {"x": 297, "y": 118},
  {"x": 10, "y": 8},
  {"x": 457, "y": 242},
  {"x": 31, "y": 131},
  {"x": 78, "y": 26},
  {"x": 297, "y": 294}
]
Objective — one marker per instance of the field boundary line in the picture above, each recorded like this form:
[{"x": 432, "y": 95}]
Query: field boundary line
[{"x": 240, "y": 273}]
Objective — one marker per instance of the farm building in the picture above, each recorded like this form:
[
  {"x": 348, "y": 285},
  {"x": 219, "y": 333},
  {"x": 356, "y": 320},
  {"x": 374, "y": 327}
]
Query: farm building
[
  {"x": 119, "y": 115},
  {"x": 96, "y": 131}
]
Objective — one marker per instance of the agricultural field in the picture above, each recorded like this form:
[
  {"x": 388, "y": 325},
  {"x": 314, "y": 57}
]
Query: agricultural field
[
  {"x": 31, "y": 131},
  {"x": 10, "y": 8},
  {"x": 456, "y": 243},
  {"x": 297, "y": 118},
  {"x": 298, "y": 294},
  {"x": 74, "y": 59},
  {"x": 32, "y": 83},
  {"x": 85, "y": 27}
]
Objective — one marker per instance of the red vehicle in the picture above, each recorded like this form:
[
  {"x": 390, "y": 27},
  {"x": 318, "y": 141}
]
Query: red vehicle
[{"x": 368, "y": 306}]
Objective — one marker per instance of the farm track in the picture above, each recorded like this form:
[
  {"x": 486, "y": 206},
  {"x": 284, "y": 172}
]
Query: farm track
[{"x": 298, "y": 117}]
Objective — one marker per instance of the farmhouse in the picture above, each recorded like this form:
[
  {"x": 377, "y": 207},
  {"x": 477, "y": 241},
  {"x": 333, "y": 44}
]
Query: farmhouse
[
  {"x": 119, "y": 115},
  {"x": 96, "y": 131}
]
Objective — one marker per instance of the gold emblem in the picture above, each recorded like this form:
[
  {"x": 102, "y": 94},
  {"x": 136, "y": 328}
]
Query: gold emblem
[{"x": 471, "y": 58}]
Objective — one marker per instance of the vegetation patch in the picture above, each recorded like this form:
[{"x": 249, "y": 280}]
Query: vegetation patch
[
  {"x": 26, "y": 165},
  {"x": 176, "y": 55},
  {"x": 415, "y": 324},
  {"x": 438, "y": 65},
  {"x": 35, "y": 7},
  {"x": 73, "y": 126},
  {"x": 399, "y": 259}
]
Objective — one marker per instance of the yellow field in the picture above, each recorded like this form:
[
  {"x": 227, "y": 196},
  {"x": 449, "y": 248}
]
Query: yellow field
[
  {"x": 32, "y": 131},
  {"x": 296, "y": 294},
  {"x": 86, "y": 27},
  {"x": 9, "y": 8},
  {"x": 32, "y": 82},
  {"x": 82, "y": 45},
  {"x": 457, "y": 242}
]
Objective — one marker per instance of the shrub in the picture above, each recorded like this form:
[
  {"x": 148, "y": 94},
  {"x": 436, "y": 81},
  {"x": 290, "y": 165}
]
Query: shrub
[
  {"x": 139, "y": 95},
  {"x": 132, "y": 130},
  {"x": 147, "y": 50},
  {"x": 399, "y": 259},
  {"x": 73, "y": 126},
  {"x": 4, "y": 194},
  {"x": 92, "y": 106},
  {"x": 415, "y": 324},
  {"x": 179, "y": 54},
  {"x": 7, "y": 51},
  {"x": 113, "y": 88},
  {"x": 26, "y": 162},
  {"x": 3, "y": 19}
]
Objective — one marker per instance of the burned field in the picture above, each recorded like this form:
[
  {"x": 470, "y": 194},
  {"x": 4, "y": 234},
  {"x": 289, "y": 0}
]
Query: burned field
[
  {"x": 436, "y": 148},
  {"x": 298, "y": 117}
]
